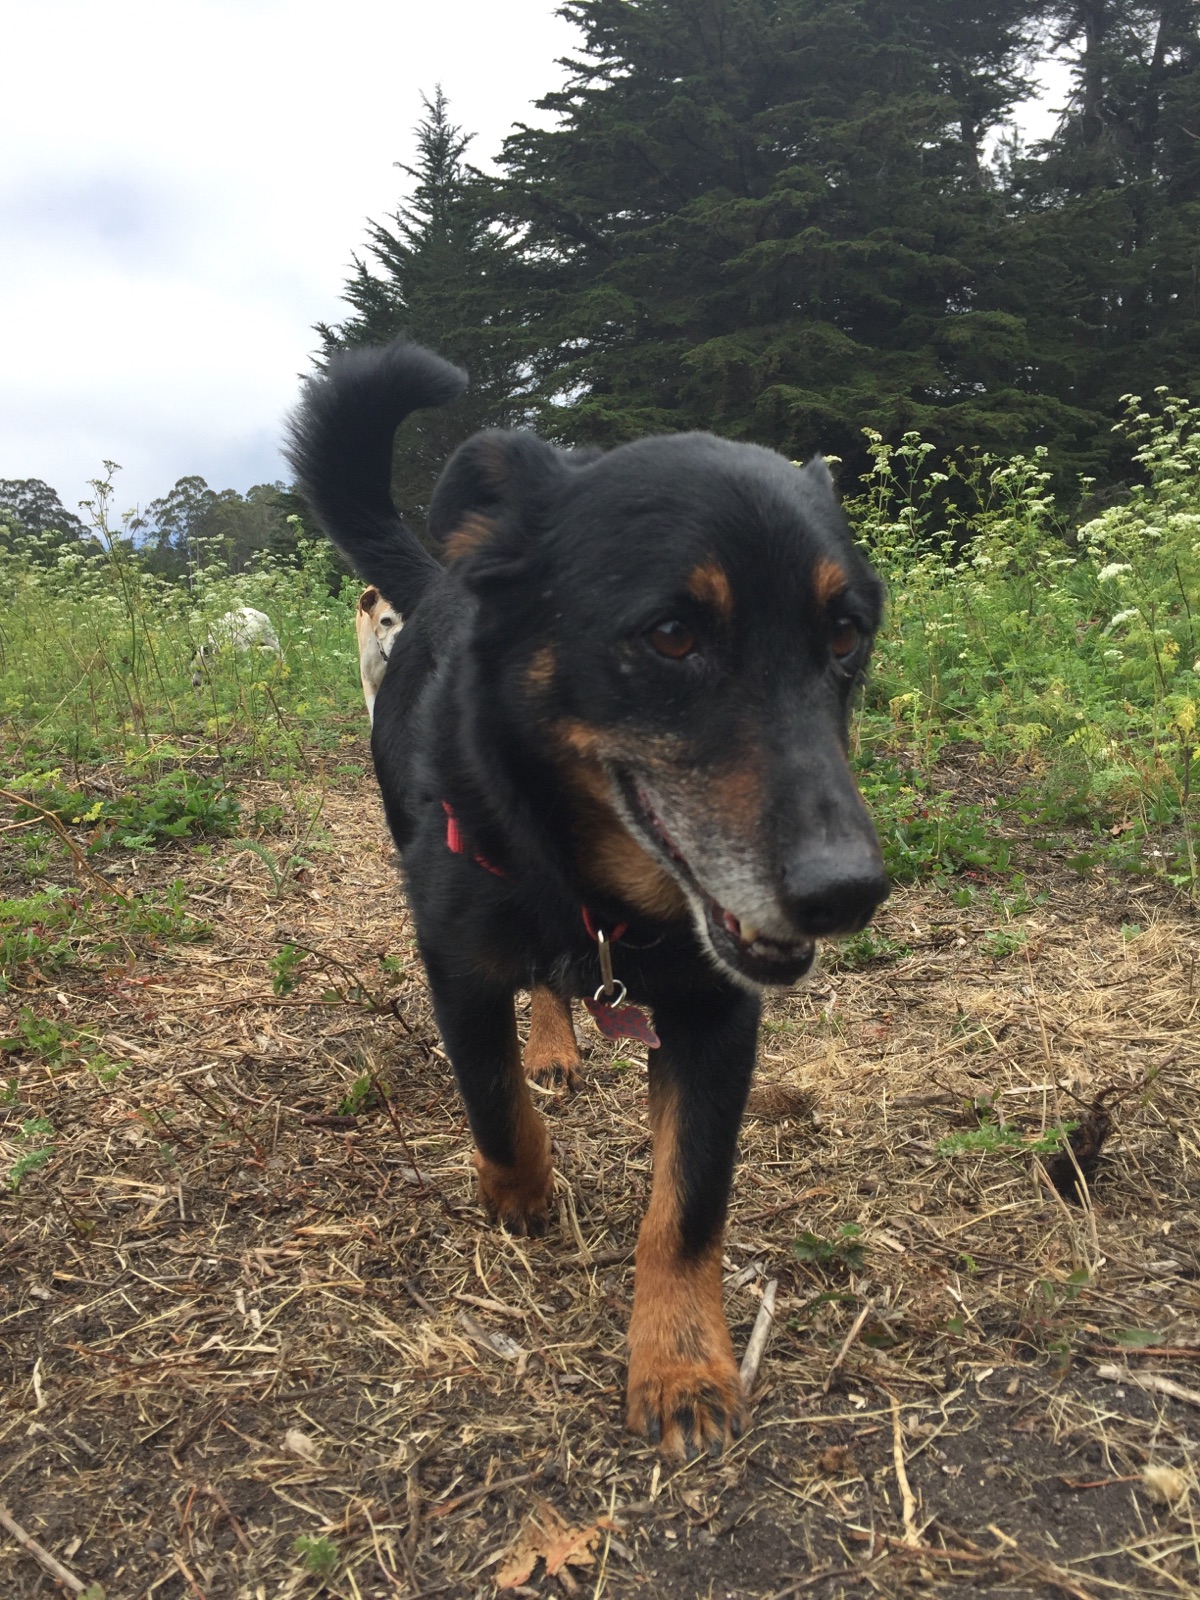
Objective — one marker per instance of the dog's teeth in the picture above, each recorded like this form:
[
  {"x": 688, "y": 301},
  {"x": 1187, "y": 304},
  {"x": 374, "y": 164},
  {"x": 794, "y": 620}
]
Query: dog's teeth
[{"x": 749, "y": 934}]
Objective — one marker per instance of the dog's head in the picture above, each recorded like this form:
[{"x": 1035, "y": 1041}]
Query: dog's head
[
  {"x": 682, "y": 623},
  {"x": 378, "y": 624}
]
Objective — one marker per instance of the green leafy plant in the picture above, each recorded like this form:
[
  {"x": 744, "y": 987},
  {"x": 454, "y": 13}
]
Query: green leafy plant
[
  {"x": 37, "y": 1134},
  {"x": 320, "y": 1555},
  {"x": 361, "y": 1097},
  {"x": 171, "y": 805},
  {"x": 1001, "y": 942},
  {"x": 845, "y": 1249},
  {"x": 285, "y": 968},
  {"x": 58, "y": 928},
  {"x": 40, "y": 1037},
  {"x": 1072, "y": 654},
  {"x": 867, "y": 948},
  {"x": 1002, "y": 1138},
  {"x": 1137, "y": 1338}
]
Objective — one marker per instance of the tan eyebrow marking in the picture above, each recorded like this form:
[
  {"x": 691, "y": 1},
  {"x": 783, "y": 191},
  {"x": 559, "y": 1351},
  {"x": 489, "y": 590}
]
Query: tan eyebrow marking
[
  {"x": 471, "y": 532},
  {"x": 709, "y": 584},
  {"x": 539, "y": 674},
  {"x": 829, "y": 580}
]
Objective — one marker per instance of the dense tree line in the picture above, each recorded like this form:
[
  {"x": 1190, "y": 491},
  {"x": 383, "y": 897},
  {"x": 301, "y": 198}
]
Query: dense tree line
[
  {"x": 193, "y": 526},
  {"x": 788, "y": 220},
  {"x": 189, "y": 527},
  {"x": 31, "y": 510}
]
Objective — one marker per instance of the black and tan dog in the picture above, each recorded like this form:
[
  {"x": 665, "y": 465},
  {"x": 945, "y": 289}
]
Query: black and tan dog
[{"x": 611, "y": 745}]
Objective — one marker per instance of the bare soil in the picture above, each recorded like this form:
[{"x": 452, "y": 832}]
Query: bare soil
[{"x": 250, "y": 1300}]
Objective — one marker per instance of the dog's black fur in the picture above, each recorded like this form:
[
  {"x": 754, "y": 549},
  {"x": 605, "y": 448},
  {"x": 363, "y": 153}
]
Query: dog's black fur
[{"x": 630, "y": 684}]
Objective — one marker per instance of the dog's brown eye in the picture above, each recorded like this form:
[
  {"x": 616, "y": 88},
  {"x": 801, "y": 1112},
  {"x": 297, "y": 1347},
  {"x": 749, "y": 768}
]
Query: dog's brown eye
[
  {"x": 844, "y": 638},
  {"x": 673, "y": 640}
]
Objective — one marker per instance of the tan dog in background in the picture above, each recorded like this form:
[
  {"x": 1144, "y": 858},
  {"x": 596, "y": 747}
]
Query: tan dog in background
[{"x": 378, "y": 624}]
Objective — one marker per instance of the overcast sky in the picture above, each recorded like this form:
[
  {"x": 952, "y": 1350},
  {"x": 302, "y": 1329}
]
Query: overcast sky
[{"x": 182, "y": 185}]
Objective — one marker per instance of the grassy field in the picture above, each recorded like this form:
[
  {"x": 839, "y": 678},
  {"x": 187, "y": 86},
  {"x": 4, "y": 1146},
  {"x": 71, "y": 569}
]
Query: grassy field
[{"x": 256, "y": 1337}]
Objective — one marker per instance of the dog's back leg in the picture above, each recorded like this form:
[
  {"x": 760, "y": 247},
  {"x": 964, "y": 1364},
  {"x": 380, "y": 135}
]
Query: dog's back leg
[
  {"x": 684, "y": 1389},
  {"x": 512, "y": 1157},
  {"x": 552, "y": 1050}
]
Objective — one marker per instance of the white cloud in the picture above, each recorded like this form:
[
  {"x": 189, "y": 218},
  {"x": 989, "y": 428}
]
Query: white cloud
[{"x": 181, "y": 189}]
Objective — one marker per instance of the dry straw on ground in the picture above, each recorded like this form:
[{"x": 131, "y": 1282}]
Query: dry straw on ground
[{"x": 250, "y": 1300}]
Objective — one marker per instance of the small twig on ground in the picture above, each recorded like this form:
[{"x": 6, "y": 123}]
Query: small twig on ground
[
  {"x": 811, "y": 1581},
  {"x": 759, "y": 1335},
  {"x": 443, "y": 1508},
  {"x": 51, "y": 1563},
  {"x": 1182, "y": 1352},
  {"x": 862, "y": 1316},
  {"x": 373, "y": 1004},
  {"x": 385, "y": 1101},
  {"x": 81, "y": 861},
  {"x": 498, "y": 1343},
  {"x": 908, "y": 1500},
  {"x": 1149, "y": 1380},
  {"x": 1016, "y": 1564},
  {"x": 193, "y": 1586},
  {"x": 410, "y": 1030}
]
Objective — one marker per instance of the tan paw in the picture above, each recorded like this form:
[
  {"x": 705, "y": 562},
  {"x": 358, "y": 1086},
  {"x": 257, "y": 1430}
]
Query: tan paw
[
  {"x": 554, "y": 1074},
  {"x": 552, "y": 1050},
  {"x": 686, "y": 1407},
  {"x": 518, "y": 1198}
]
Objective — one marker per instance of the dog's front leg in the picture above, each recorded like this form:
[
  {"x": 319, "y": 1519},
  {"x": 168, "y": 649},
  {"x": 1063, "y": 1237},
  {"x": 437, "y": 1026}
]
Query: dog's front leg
[
  {"x": 512, "y": 1156},
  {"x": 684, "y": 1391},
  {"x": 552, "y": 1050}
]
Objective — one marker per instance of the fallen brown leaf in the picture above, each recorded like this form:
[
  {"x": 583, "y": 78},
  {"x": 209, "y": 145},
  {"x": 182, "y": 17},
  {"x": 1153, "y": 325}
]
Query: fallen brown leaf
[
  {"x": 836, "y": 1459},
  {"x": 547, "y": 1537}
]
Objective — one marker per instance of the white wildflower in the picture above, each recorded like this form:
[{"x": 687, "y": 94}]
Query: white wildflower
[{"x": 1114, "y": 569}]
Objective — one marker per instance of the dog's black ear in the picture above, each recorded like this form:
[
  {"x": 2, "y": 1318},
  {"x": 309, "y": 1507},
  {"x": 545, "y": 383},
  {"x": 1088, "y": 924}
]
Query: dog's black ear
[
  {"x": 368, "y": 598},
  {"x": 489, "y": 497},
  {"x": 819, "y": 476}
]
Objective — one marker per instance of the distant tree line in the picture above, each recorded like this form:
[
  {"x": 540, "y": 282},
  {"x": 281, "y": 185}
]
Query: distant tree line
[
  {"x": 189, "y": 527},
  {"x": 194, "y": 526},
  {"x": 788, "y": 220}
]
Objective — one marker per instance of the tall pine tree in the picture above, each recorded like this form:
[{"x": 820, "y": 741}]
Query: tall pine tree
[
  {"x": 441, "y": 272},
  {"x": 1104, "y": 259},
  {"x": 778, "y": 219},
  {"x": 769, "y": 217}
]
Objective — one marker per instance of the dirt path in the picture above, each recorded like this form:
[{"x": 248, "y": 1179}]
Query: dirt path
[{"x": 245, "y": 1305}]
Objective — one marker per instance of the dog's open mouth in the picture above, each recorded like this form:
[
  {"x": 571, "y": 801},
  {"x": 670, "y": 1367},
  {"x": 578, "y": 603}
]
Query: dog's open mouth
[{"x": 746, "y": 949}]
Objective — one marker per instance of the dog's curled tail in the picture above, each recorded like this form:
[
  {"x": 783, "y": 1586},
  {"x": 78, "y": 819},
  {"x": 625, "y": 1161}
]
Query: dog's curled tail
[{"x": 339, "y": 441}]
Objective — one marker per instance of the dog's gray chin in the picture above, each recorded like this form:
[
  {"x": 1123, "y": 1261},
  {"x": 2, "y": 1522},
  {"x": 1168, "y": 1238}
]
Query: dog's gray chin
[{"x": 758, "y": 961}]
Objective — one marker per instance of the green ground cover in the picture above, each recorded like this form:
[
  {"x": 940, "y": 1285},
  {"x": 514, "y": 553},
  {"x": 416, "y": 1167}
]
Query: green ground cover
[{"x": 1036, "y": 670}]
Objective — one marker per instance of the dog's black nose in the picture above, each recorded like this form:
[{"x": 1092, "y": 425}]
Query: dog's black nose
[{"x": 835, "y": 890}]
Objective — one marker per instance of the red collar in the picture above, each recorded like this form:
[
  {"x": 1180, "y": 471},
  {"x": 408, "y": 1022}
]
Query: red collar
[{"x": 458, "y": 844}]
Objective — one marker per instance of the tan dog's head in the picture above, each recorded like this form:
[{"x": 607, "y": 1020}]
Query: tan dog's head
[{"x": 378, "y": 624}]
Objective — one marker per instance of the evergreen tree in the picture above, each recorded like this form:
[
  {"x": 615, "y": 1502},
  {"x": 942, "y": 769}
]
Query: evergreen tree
[
  {"x": 769, "y": 217},
  {"x": 442, "y": 273},
  {"x": 777, "y": 219},
  {"x": 1104, "y": 258}
]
